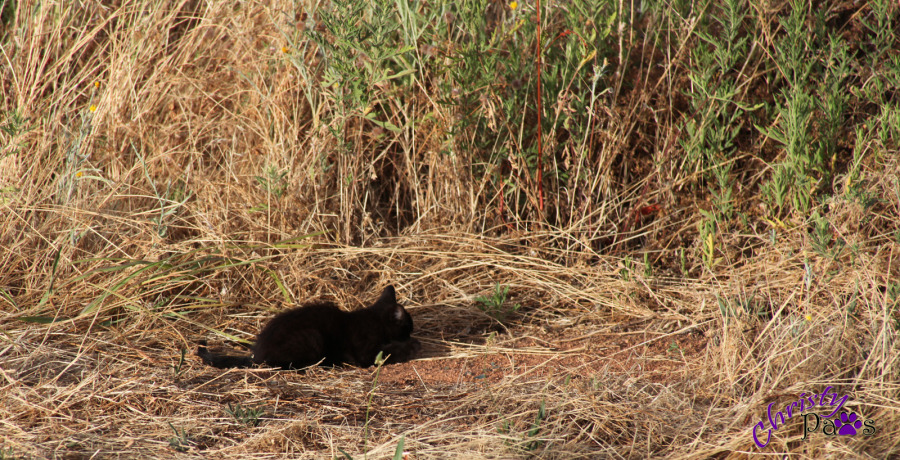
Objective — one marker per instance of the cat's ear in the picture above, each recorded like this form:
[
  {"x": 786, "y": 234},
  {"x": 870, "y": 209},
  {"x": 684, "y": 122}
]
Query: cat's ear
[{"x": 388, "y": 296}]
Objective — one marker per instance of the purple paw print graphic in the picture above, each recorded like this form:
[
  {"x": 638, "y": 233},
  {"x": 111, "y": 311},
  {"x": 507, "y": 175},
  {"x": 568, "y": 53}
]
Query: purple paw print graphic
[{"x": 847, "y": 425}]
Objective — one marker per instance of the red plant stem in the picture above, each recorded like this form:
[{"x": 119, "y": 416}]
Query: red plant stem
[{"x": 540, "y": 168}]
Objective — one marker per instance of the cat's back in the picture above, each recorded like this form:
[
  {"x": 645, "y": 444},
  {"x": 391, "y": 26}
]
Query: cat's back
[
  {"x": 323, "y": 317},
  {"x": 299, "y": 337}
]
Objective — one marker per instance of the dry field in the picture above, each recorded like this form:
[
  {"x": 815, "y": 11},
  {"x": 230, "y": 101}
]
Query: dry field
[{"x": 709, "y": 227}]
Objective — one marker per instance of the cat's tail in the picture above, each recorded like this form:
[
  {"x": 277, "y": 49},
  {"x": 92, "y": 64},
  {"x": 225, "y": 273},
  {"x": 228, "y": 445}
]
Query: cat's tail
[{"x": 221, "y": 360}]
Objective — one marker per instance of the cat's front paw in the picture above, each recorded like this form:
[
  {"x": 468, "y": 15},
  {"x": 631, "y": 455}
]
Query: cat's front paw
[
  {"x": 400, "y": 351},
  {"x": 415, "y": 346}
]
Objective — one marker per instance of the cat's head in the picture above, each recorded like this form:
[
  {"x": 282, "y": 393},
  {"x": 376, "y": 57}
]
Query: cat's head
[{"x": 394, "y": 318}]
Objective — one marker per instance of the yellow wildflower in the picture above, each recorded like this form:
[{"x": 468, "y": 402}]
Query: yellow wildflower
[
  {"x": 513, "y": 5},
  {"x": 92, "y": 108}
]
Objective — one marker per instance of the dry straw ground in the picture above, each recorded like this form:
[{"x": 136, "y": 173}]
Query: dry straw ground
[{"x": 178, "y": 170}]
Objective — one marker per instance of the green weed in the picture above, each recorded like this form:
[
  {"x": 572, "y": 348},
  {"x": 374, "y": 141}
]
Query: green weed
[
  {"x": 627, "y": 267},
  {"x": 717, "y": 113},
  {"x": 273, "y": 181},
  {"x": 379, "y": 362},
  {"x": 727, "y": 309},
  {"x": 181, "y": 442},
  {"x": 682, "y": 262},
  {"x": 674, "y": 348},
  {"x": 496, "y": 305},
  {"x": 535, "y": 430},
  {"x": 9, "y": 454},
  {"x": 880, "y": 23},
  {"x": 530, "y": 440},
  {"x": 245, "y": 415},
  {"x": 707, "y": 229},
  {"x": 361, "y": 53},
  {"x": 177, "y": 367},
  {"x": 170, "y": 201}
]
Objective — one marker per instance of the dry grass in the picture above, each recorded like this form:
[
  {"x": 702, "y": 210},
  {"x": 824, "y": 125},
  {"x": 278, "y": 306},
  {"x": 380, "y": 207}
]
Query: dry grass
[{"x": 130, "y": 232}]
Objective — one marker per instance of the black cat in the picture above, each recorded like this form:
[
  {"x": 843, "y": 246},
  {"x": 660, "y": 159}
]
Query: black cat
[{"x": 324, "y": 334}]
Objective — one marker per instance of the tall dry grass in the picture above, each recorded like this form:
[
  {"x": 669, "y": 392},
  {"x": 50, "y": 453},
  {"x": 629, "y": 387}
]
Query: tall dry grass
[{"x": 177, "y": 170}]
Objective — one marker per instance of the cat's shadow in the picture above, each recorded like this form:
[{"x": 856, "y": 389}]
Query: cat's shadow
[{"x": 439, "y": 325}]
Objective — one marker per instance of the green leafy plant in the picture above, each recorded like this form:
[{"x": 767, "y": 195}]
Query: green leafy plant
[
  {"x": 880, "y": 23},
  {"x": 9, "y": 454},
  {"x": 379, "y": 363},
  {"x": 170, "y": 201},
  {"x": 792, "y": 178},
  {"x": 496, "y": 306},
  {"x": 357, "y": 39},
  {"x": 530, "y": 440},
  {"x": 822, "y": 240},
  {"x": 855, "y": 187},
  {"x": 727, "y": 309},
  {"x": 13, "y": 125},
  {"x": 181, "y": 442},
  {"x": 707, "y": 230},
  {"x": 177, "y": 367},
  {"x": 533, "y": 441},
  {"x": 491, "y": 88},
  {"x": 674, "y": 348},
  {"x": 245, "y": 415},
  {"x": 273, "y": 181},
  {"x": 834, "y": 101},
  {"x": 627, "y": 267},
  {"x": 712, "y": 126},
  {"x": 398, "y": 453}
]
